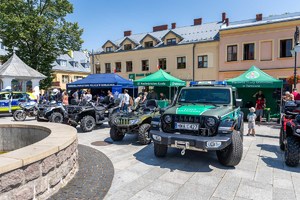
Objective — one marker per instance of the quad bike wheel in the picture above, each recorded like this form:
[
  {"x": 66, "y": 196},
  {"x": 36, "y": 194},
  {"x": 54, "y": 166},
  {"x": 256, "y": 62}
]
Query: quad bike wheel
[
  {"x": 232, "y": 154},
  {"x": 87, "y": 123},
  {"x": 115, "y": 135},
  {"x": 281, "y": 139},
  {"x": 56, "y": 117},
  {"x": 19, "y": 115},
  {"x": 143, "y": 134},
  {"x": 292, "y": 151}
]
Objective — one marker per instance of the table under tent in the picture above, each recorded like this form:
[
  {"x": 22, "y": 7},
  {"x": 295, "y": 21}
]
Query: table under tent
[
  {"x": 254, "y": 80},
  {"x": 162, "y": 82},
  {"x": 104, "y": 82}
]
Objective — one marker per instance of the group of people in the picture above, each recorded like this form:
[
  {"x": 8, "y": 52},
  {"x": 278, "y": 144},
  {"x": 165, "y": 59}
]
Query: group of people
[{"x": 294, "y": 96}]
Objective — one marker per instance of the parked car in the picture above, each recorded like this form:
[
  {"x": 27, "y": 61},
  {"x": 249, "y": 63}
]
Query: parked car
[
  {"x": 9, "y": 100},
  {"x": 136, "y": 122},
  {"x": 289, "y": 137},
  {"x": 202, "y": 118}
]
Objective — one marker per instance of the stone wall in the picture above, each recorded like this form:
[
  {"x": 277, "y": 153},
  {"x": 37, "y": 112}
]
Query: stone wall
[
  {"x": 38, "y": 170},
  {"x": 41, "y": 179}
]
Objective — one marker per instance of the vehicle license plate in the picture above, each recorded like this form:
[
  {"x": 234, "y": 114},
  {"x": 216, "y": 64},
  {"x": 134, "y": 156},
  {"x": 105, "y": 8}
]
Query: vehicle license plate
[{"x": 186, "y": 126}]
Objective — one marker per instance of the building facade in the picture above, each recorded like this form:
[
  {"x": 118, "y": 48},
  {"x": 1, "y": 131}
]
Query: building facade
[
  {"x": 69, "y": 68},
  {"x": 265, "y": 42},
  {"x": 189, "y": 53}
]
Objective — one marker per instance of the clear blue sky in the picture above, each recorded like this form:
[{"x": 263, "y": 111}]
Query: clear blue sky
[{"x": 108, "y": 19}]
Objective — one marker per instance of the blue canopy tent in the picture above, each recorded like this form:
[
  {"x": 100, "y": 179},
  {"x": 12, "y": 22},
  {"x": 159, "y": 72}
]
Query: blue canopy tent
[{"x": 100, "y": 81}]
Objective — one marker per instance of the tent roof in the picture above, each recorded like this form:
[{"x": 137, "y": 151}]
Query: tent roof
[
  {"x": 15, "y": 67},
  {"x": 100, "y": 80},
  {"x": 255, "y": 78},
  {"x": 159, "y": 78}
]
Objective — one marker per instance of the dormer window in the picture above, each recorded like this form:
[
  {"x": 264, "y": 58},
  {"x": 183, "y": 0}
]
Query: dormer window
[
  {"x": 109, "y": 49},
  {"x": 171, "y": 41},
  {"x": 127, "y": 46},
  {"x": 149, "y": 44},
  {"x": 63, "y": 63}
]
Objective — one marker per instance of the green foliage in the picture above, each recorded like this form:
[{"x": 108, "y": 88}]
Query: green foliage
[{"x": 39, "y": 32}]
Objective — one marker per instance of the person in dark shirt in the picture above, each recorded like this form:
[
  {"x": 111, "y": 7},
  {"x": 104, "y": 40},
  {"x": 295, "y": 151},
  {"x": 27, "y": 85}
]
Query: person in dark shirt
[
  {"x": 259, "y": 107},
  {"x": 259, "y": 94},
  {"x": 162, "y": 96}
]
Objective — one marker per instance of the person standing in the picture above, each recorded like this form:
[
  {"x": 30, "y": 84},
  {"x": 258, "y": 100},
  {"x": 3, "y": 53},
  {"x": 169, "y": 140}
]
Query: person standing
[
  {"x": 65, "y": 98},
  {"x": 259, "y": 94},
  {"x": 251, "y": 121},
  {"x": 88, "y": 96},
  {"x": 260, "y": 106},
  {"x": 121, "y": 98},
  {"x": 75, "y": 95},
  {"x": 126, "y": 101},
  {"x": 296, "y": 94},
  {"x": 162, "y": 96}
]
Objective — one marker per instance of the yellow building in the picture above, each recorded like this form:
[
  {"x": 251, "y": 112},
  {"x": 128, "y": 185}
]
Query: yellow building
[
  {"x": 189, "y": 53},
  {"x": 69, "y": 68}
]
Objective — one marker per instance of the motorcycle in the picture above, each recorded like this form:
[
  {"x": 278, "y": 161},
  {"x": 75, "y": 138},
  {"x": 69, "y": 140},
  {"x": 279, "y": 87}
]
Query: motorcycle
[{"x": 28, "y": 109}]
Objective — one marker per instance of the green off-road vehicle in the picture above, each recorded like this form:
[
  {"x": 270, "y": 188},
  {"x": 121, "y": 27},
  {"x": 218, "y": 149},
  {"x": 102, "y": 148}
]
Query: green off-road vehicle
[
  {"x": 136, "y": 122},
  {"x": 202, "y": 118}
]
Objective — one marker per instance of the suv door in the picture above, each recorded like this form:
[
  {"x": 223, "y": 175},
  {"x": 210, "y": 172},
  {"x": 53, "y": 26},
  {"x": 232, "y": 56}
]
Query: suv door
[{"x": 4, "y": 101}]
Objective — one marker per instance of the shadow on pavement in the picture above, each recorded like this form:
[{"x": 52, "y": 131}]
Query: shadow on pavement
[
  {"x": 97, "y": 127},
  {"x": 192, "y": 161},
  {"x": 278, "y": 161}
]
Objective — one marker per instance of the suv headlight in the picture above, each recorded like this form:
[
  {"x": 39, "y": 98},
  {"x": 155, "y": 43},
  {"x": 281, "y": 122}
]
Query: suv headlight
[
  {"x": 168, "y": 119},
  {"x": 210, "y": 121},
  {"x": 134, "y": 121}
]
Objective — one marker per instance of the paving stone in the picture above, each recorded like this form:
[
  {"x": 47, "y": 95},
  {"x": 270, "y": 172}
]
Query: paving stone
[
  {"x": 137, "y": 185},
  {"x": 193, "y": 191},
  {"x": 118, "y": 195},
  {"x": 163, "y": 187},
  {"x": 204, "y": 179},
  {"x": 254, "y": 190},
  {"x": 283, "y": 183},
  {"x": 283, "y": 194},
  {"x": 176, "y": 177},
  {"x": 227, "y": 187},
  {"x": 264, "y": 175},
  {"x": 146, "y": 195}
]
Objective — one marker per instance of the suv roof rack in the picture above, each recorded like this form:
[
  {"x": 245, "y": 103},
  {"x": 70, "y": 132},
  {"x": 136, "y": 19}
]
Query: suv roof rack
[{"x": 208, "y": 83}]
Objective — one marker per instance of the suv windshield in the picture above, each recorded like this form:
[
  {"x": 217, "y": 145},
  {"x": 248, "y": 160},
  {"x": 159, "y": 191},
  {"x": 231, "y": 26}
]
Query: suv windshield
[{"x": 205, "y": 95}]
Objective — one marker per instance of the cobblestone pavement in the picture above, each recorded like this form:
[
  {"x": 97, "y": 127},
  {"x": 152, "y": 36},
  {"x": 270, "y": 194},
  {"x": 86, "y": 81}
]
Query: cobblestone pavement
[
  {"x": 93, "y": 179},
  {"x": 261, "y": 174}
]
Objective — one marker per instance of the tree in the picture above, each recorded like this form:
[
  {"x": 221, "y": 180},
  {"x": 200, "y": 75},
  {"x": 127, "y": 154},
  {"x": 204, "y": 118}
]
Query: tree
[{"x": 39, "y": 32}]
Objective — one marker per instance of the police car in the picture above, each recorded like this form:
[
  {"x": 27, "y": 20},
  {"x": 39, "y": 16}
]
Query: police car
[{"x": 9, "y": 101}]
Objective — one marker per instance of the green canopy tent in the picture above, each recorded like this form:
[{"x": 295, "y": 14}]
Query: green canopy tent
[
  {"x": 254, "y": 80},
  {"x": 160, "y": 79}
]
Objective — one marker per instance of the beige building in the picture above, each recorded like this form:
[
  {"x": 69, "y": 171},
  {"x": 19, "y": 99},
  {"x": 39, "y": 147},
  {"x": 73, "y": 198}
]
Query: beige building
[
  {"x": 189, "y": 53},
  {"x": 69, "y": 68}
]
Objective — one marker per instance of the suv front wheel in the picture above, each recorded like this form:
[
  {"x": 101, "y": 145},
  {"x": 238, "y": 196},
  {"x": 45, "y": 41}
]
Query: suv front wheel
[
  {"x": 232, "y": 154},
  {"x": 115, "y": 135},
  {"x": 160, "y": 150}
]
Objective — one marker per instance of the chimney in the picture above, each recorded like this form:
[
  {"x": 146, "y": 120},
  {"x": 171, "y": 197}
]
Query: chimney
[
  {"x": 223, "y": 16},
  {"x": 258, "y": 17},
  {"x": 197, "y": 21},
  {"x": 227, "y": 21},
  {"x": 160, "y": 28},
  {"x": 173, "y": 25},
  {"x": 127, "y": 33}
]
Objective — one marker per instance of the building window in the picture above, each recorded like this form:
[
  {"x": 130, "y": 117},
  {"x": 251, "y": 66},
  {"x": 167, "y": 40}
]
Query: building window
[
  {"x": 202, "y": 61},
  {"x": 65, "y": 79},
  {"x": 232, "y": 53},
  {"x": 129, "y": 66},
  {"x": 148, "y": 44},
  {"x": 171, "y": 41},
  {"x": 285, "y": 48},
  {"x": 118, "y": 67},
  {"x": 127, "y": 46},
  {"x": 98, "y": 69},
  {"x": 162, "y": 62},
  {"x": 107, "y": 68},
  {"x": 249, "y": 51},
  {"x": 63, "y": 63},
  {"x": 145, "y": 65},
  {"x": 109, "y": 49},
  {"x": 181, "y": 62}
]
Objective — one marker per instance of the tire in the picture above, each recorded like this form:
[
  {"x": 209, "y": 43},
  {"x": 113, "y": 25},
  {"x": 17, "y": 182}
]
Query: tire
[
  {"x": 115, "y": 135},
  {"x": 281, "y": 136},
  {"x": 40, "y": 119},
  {"x": 19, "y": 115},
  {"x": 87, "y": 123},
  {"x": 232, "y": 154},
  {"x": 143, "y": 135},
  {"x": 56, "y": 117},
  {"x": 160, "y": 150},
  {"x": 292, "y": 151}
]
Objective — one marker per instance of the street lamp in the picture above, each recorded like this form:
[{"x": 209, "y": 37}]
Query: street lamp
[{"x": 295, "y": 51}]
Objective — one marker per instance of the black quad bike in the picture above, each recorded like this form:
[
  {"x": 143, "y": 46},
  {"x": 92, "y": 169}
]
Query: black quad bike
[
  {"x": 53, "y": 112},
  {"x": 28, "y": 109},
  {"x": 90, "y": 115},
  {"x": 137, "y": 122},
  {"x": 289, "y": 138}
]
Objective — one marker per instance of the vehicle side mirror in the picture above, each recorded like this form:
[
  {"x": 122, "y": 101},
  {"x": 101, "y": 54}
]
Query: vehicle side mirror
[{"x": 238, "y": 102}]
